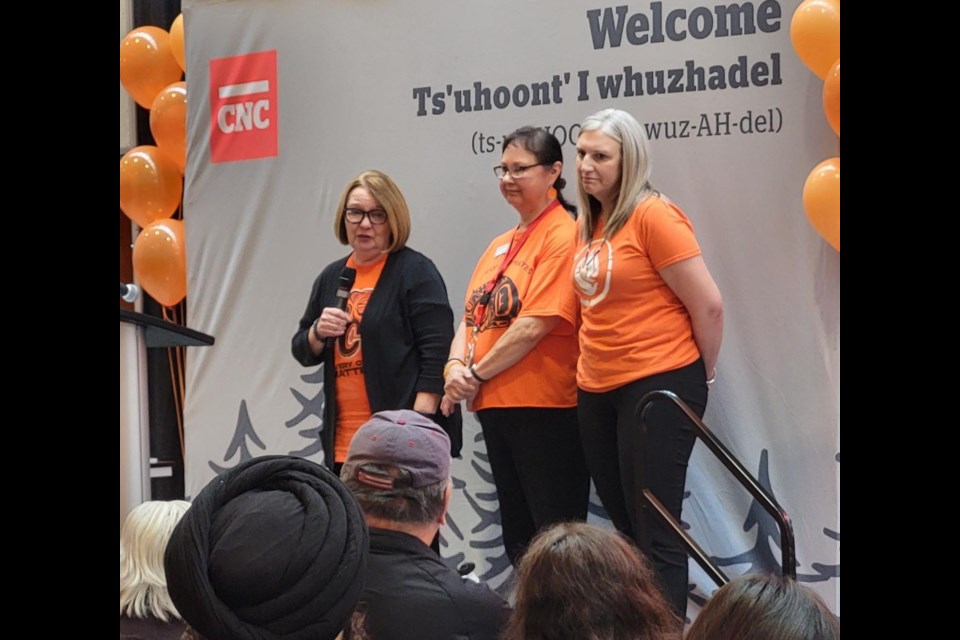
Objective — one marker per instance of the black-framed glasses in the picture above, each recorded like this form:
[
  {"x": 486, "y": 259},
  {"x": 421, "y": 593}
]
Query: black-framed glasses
[
  {"x": 515, "y": 172},
  {"x": 355, "y": 216}
]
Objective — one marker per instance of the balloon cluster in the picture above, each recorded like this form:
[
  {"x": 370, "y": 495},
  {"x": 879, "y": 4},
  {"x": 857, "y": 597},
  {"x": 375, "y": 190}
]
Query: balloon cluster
[
  {"x": 151, "y": 176},
  {"x": 815, "y": 33}
]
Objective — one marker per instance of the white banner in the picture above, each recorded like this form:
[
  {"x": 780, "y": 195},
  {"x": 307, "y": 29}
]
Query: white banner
[{"x": 289, "y": 99}]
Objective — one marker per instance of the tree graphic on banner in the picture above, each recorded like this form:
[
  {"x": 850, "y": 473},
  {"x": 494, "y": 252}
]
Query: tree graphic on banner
[
  {"x": 309, "y": 407},
  {"x": 761, "y": 557},
  {"x": 486, "y": 507},
  {"x": 824, "y": 571},
  {"x": 238, "y": 444},
  {"x": 489, "y": 516},
  {"x": 457, "y": 558}
]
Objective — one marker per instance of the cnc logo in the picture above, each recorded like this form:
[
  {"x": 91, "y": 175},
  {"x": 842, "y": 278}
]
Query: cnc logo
[{"x": 243, "y": 107}]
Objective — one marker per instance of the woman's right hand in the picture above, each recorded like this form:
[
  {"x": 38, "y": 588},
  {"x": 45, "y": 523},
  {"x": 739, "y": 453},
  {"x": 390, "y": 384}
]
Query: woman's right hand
[
  {"x": 332, "y": 323},
  {"x": 460, "y": 384}
]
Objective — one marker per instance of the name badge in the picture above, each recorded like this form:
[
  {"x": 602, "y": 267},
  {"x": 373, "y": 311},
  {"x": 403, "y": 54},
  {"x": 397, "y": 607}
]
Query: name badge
[{"x": 502, "y": 249}]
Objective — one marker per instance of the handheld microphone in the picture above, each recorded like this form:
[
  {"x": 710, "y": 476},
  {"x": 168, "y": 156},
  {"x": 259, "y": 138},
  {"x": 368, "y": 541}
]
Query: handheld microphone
[
  {"x": 129, "y": 292},
  {"x": 347, "y": 277}
]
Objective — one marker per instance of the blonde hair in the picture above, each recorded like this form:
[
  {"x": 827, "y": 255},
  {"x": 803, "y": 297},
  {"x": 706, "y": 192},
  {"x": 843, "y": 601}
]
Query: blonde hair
[
  {"x": 388, "y": 194},
  {"x": 143, "y": 540},
  {"x": 635, "y": 171}
]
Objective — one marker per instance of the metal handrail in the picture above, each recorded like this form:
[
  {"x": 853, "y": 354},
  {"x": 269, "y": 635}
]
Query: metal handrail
[{"x": 744, "y": 477}]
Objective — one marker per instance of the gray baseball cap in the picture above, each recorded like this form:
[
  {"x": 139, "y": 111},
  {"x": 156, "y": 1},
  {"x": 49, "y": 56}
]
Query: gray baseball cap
[{"x": 404, "y": 439}]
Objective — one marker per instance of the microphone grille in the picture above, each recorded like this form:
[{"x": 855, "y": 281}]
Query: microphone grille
[{"x": 347, "y": 277}]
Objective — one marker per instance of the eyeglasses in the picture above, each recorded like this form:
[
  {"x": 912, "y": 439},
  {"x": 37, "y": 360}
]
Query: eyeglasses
[
  {"x": 515, "y": 172},
  {"x": 355, "y": 216}
]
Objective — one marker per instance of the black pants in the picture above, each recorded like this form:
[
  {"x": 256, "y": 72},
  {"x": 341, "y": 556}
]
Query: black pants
[
  {"x": 609, "y": 427},
  {"x": 538, "y": 466}
]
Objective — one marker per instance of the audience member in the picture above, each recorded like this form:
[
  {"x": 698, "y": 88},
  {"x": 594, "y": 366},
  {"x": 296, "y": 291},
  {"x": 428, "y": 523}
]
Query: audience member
[
  {"x": 146, "y": 612},
  {"x": 579, "y": 581},
  {"x": 275, "y": 548},
  {"x": 764, "y": 607},
  {"x": 398, "y": 466}
]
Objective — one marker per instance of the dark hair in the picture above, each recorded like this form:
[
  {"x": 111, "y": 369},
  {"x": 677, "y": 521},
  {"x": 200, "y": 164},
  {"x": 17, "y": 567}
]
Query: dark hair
[
  {"x": 405, "y": 505},
  {"x": 762, "y": 606},
  {"x": 581, "y": 581},
  {"x": 546, "y": 149}
]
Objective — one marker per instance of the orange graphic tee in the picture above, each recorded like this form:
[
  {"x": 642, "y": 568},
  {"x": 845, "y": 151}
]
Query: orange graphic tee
[
  {"x": 633, "y": 324},
  {"x": 535, "y": 284},
  {"x": 353, "y": 405}
]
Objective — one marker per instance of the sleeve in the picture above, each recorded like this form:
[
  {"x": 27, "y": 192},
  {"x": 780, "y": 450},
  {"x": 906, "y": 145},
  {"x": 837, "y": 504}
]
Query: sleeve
[
  {"x": 667, "y": 234},
  {"x": 489, "y": 612},
  {"x": 550, "y": 292},
  {"x": 300, "y": 345},
  {"x": 431, "y": 322}
]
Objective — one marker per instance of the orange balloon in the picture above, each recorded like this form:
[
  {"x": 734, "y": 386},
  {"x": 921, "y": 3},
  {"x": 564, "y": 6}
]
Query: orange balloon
[
  {"x": 176, "y": 42},
  {"x": 160, "y": 261},
  {"x": 815, "y": 33},
  {"x": 821, "y": 199},
  {"x": 147, "y": 64},
  {"x": 831, "y": 97},
  {"x": 168, "y": 122},
  {"x": 150, "y": 185}
]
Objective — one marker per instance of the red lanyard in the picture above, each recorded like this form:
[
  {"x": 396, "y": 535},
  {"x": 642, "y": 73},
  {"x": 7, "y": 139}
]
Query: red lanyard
[{"x": 515, "y": 244}]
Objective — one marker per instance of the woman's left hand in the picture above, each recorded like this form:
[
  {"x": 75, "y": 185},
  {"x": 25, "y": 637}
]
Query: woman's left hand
[{"x": 447, "y": 405}]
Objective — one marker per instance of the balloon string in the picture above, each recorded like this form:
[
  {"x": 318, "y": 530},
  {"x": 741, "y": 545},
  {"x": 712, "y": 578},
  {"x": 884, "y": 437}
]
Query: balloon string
[
  {"x": 175, "y": 360},
  {"x": 181, "y": 375}
]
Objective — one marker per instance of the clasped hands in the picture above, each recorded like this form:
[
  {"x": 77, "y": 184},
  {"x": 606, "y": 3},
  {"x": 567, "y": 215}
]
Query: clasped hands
[{"x": 460, "y": 385}]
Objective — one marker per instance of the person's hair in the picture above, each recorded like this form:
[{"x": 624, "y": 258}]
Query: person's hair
[
  {"x": 634, "y": 171},
  {"x": 546, "y": 149},
  {"x": 388, "y": 194},
  {"x": 762, "y": 606},
  {"x": 143, "y": 539},
  {"x": 403, "y": 505},
  {"x": 579, "y": 581}
]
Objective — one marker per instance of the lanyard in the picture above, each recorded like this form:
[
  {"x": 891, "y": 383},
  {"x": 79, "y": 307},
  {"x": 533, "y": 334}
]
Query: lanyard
[{"x": 515, "y": 244}]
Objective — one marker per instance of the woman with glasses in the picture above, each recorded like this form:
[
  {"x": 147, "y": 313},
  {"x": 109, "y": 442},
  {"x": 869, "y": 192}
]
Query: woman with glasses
[
  {"x": 383, "y": 333},
  {"x": 515, "y": 353},
  {"x": 651, "y": 319}
]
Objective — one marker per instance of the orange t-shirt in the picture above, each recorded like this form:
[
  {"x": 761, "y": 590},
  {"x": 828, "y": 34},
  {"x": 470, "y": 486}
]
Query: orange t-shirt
[
  {"x": 353, "y": 405},
  {"x": 534, "y": 284},
  {"x": 633, "y": 324}
]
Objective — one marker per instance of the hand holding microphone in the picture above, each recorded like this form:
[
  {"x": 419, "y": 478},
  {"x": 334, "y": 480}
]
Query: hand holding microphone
[{"x": 333, "y": 321}]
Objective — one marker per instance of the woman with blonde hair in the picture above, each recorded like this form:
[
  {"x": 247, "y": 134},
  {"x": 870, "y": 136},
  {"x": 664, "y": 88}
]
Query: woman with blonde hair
[
  {"x": 652, "y": 319},
  {"x": 378, "y": 320},
  {"x": 146, "y": 610}
]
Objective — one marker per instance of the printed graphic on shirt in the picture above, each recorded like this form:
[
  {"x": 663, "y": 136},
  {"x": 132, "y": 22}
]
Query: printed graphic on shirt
[
  {"x": 504, "y": 306},
  {"x": 592, "y": 269},
  {"x": 348, "y": 345}
]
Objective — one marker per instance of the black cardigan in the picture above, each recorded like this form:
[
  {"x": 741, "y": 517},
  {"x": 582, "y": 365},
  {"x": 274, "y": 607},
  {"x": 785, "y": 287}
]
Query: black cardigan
[{"x": 406, "y": 333}]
